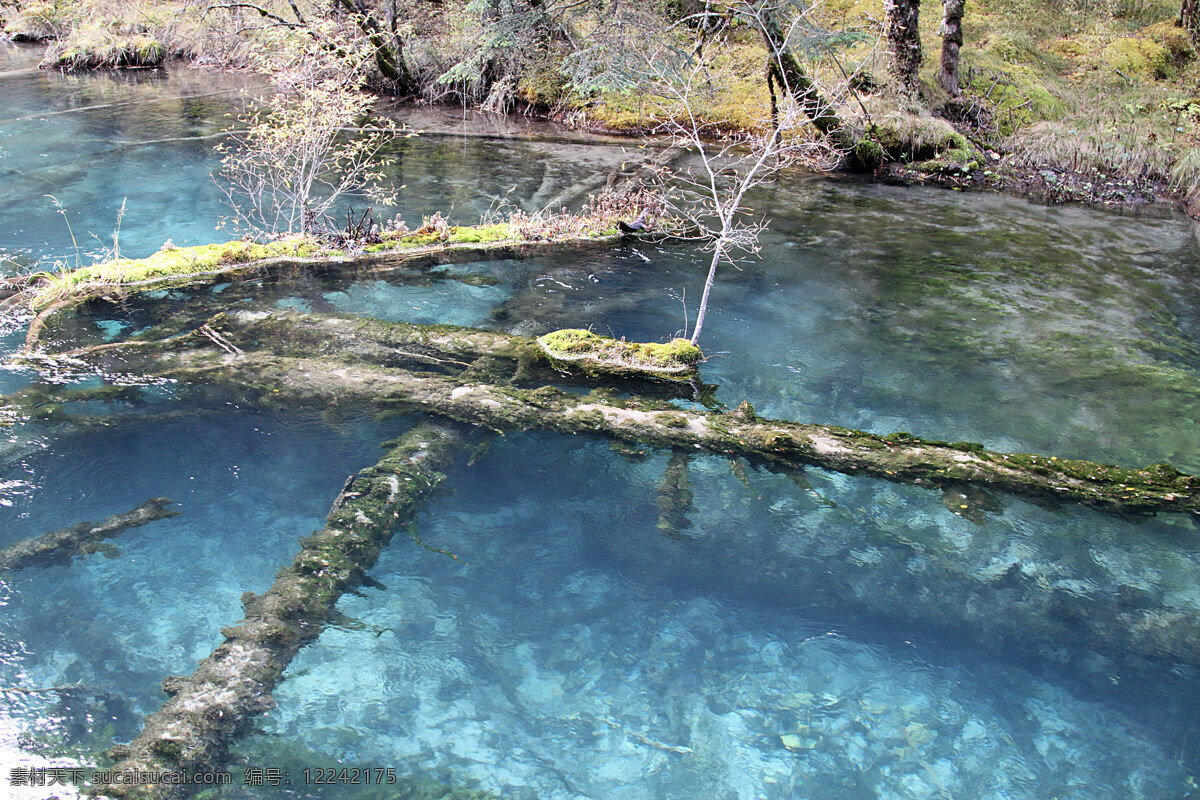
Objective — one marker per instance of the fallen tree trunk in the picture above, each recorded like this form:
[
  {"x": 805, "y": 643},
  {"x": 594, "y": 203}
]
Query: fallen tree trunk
[
  {"x": 51, "y": 295},
  {"x": 357, "y": 369},
  {"x": 466, "y": 353},
  {"x": 59, "y": 547},
  {"x": 218, "y": 703}
]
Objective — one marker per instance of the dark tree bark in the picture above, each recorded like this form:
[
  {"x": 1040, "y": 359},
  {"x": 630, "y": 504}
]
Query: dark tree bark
[
  {"x": 904, "y": 39},
  {"x": 785, "y": 71},
  {"x": 389, "y": 55},
  {"x": 1189, "y": 18},
  {"x": 951, "y": 42}
]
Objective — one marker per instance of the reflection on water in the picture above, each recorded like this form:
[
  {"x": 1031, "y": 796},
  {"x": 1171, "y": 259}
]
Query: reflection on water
[{"x": 805, "y": 636}]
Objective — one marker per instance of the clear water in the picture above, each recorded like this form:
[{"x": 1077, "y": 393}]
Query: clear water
[{"x": 828, "y": 638}]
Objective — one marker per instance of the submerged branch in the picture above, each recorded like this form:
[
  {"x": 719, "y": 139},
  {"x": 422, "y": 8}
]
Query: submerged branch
[
  {"x": 350, "y": 363},
  {"x": 232, "y": 687},
  {"x": 59, "y": 547}
]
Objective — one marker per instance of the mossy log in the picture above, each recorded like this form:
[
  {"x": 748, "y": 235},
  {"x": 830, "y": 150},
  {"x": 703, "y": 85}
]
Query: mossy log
[
  {"x": 678, "y": 357},
  {"x": 467, "y": 353},
  {"x": 232, "y": 687},
  {"x": 50, "y": 294},
  {"x": 59, "y": 547},
  {"x": 337, "y": 370}
]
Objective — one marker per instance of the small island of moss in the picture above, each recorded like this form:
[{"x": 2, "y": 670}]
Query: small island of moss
[{"x": 674, "y": 358}]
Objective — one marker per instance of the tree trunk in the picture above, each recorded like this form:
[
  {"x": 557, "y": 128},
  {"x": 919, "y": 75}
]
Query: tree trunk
[
  {"x": 1189, "y": 18},
  {"x": 61, "y": 546},
  {"x": 789, "y": 74},
  {"x": 259, "y": 360},
  {"x": 390, "y": 60},
  {"x": 232, "y": 687},
  {"x": 718, "y": 248},
  {"x": 951, "y": 43},
  {"x": 904, "y": 39}
]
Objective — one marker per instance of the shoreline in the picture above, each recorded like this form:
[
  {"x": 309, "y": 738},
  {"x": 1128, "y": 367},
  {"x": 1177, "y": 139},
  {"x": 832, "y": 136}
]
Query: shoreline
[{"x": 1121, "y": 193}]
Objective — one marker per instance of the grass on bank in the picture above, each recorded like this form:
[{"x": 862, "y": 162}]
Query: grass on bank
[
  {"x": 1102, "y": 88},
  {"x": 110, "y": 33}
]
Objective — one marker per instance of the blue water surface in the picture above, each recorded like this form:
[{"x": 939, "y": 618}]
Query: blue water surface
[{"x": 540, "y": 632}]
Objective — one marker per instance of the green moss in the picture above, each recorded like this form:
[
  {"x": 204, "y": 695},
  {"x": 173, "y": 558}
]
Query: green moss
[
  {"x": 500, "y": 232},
  {"x": 1136, "y": 55},
  {"x": 168, "y": 262},
  {"x": 735, "y": 97},
  {"x": 1174, "y": 38},
  {"x": 913, "y": 138},
  {"x": 174, "y": 261},
  {"x": 960, "y": 161},
  {"x": 869, "y": 154},
  {"x": 678, "y": 355},
  {"x": 1024, "y": 95}
]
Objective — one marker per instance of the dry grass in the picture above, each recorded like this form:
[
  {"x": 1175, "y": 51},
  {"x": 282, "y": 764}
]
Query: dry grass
[
  {"x": 1102, "y": 150},
  {"x": 89, "y": 34},
  {"x": 1185, "y": 179}
]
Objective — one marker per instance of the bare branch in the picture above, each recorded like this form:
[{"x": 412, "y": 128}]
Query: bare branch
[{"x": 262, "y": 12}]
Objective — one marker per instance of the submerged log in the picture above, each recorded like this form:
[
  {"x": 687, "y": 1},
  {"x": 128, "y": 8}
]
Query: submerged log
[
  {"x": 59, "y": 547},
  {"x": 230, "y": 688},
  {"x": 354, "y": 364},
  {"x": 675, "y": 497}
]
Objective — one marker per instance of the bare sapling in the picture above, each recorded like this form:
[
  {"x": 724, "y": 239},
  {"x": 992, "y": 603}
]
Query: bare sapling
[
  {"x": 293, "y": 155},
  {"x": 709, "y": 194}
]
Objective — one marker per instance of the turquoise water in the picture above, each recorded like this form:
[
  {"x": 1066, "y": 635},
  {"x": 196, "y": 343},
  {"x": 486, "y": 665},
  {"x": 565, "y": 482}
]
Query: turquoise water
[{"x": 815, "y": 636}]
